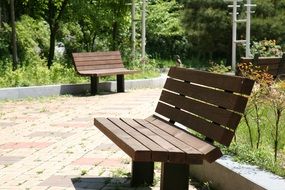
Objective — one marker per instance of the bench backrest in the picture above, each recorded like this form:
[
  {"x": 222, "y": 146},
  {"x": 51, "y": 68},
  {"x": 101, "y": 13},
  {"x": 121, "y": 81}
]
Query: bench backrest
[
  {"x": 273, "y": 65},
  {"x": 210, "y": 104},
  {"x": 97, "y": 60}
]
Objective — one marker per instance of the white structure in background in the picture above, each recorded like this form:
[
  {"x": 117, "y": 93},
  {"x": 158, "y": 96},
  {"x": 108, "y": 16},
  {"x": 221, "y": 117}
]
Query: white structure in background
[
  {"x": 143, "y": 27},
  {"x": 235, "y": 5}
]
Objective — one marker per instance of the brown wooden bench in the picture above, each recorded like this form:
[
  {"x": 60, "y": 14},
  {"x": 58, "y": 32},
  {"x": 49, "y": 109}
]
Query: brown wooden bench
[
  {"x": 273, "y": 65},
  {"x": 206, "y": 103},
  {"x": 96, "y": 64}
]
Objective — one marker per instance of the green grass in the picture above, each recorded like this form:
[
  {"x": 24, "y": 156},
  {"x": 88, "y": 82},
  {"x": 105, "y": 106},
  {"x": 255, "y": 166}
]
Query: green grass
[{"x": 263, "y": 157}]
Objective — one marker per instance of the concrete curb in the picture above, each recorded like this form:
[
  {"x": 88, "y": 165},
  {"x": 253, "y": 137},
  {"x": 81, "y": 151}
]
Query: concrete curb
[
  {"x": 225, "y": 174},
  {"x": 76, "y": 89}
]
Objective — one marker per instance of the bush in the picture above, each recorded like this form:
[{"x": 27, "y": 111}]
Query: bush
[{"x": 266, "y": 48}]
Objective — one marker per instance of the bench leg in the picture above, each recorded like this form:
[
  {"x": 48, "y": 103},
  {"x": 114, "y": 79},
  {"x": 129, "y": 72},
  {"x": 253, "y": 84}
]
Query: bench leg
[
  {"x": 120, "y": 83},
  {"x": 174, "y": 176},
  {"x": 94, "y": 85},
  {"x": 142, "y": 173}
]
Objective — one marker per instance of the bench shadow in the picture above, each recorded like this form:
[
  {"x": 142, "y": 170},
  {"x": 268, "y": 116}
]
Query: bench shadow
[{"x": 81, "y": 183}]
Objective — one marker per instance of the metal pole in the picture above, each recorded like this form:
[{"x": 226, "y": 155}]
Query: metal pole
[
  {"x": 234, "y": 35},
  {"x": 133, "y": 29},
  {"x": 248, "y": 18},
  {"x": 143, "y": 29}
]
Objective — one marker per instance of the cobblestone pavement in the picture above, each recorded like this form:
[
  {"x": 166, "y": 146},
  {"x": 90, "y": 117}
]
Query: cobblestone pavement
[{"x": 52, "y": 144}]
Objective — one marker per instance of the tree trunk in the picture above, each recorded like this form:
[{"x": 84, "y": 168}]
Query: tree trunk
[
  {"x": 114, "y": 36},
  {"x": 52, "y": 46},
  {"x": 14, "y": 37},
  {"x": 0, "y": 14}
]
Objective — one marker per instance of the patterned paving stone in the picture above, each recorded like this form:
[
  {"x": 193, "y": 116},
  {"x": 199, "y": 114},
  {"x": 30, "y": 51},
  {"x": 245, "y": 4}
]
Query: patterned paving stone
[
  {"x": 4, "y": 160},
  {"x": 50, "y": 134},
  {"x": 88, "y": 161},
  {"x": 16, "y": 145}
]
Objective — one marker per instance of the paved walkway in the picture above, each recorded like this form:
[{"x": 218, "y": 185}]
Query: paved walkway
[{"x": 51, "y": 143}]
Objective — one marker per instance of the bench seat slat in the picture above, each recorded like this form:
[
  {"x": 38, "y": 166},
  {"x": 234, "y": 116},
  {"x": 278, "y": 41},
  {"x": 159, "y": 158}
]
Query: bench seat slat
[
  {"x": 193, "y": 155},
  {"x": 200, "y": 125},
  {"x": 233, "y": 84},
  {"x": 209, "y": 151},
  {"x": 213, "y": 113},
  {"x": 106, "y": 72},
  {"x": 128, "y": 144},
  {"x": 212, "y": 96},
  {"x": 174, "y": 154},
  {"x": 158, "y": 153}
]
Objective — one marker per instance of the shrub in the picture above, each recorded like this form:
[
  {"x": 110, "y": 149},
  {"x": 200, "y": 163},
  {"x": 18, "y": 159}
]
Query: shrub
[{"x": 266, "y": 48}]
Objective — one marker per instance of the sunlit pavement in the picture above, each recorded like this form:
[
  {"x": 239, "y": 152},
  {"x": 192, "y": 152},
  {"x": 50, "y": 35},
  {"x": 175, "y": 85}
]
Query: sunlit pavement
[{"x": 51, "y": 143}]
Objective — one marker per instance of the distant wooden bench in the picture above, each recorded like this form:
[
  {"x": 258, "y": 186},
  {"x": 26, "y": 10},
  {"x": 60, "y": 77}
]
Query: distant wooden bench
[
  {"x": 209, "y": 104},
  {"x": 97, "y": 64},
  {"x": 274, "y": 65}
]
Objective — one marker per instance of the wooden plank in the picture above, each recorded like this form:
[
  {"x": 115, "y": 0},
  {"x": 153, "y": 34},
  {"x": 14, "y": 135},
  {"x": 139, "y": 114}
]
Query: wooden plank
[
  {"x": 193, "y": 155},
  {"x": 233, "y": 83},
  {"x": 213, "y": 113},
  {"x": 211, "y": 152},
  {"x": 211, "y": 130},
  {"x": 101, "y": 62},
  {"x": 107, "y": 72},
  {"x": 212, "y": 96},
  {"x": 174, "y": 154},
  {"x": 128, "y": 144},
  {"x": 157, "y": 152},
  {"x": 97, "y": 58},
  {"x": 106, "y": 53},
  {"x": 99, "y": 67}
]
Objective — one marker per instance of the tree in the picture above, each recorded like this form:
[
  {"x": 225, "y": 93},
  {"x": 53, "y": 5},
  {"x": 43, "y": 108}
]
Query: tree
[
  {"x": 166, "y": 36},
  {"x": 209, "y": 27}
]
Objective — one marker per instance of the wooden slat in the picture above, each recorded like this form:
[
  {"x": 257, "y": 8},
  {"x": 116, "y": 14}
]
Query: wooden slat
[
  {"x": 101, "y": 62},
  {"x": 91, "y": 54},
  {"x": 211, "y": 152},
  {"x": 157, "y": 152},
  {"x": 212, "y": 96},
  {"x": 106, "y": 72},
  {"x": 213, "y": 113},
  {"x": 200, "y": 125},
  {"x": 95, "y": 58},
  {"x": 128, "y": 144},
  {"x": 225, "y": 82},
  {"x": 174, "y": 154},
  {"x": 99, "y": 67},
  {"x": 193, "y": 155}
]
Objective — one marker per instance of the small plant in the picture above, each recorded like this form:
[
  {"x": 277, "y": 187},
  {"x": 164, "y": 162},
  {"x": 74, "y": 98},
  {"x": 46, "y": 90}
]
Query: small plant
[
  {"x": 218, "y": 68},
  {"x": 40, "y": 172},
  {"x": 263, "y": 82},
  {"x": 83, "y": 172},
  {"x": 277, "y": 100},
  {"x": 120, "y": 173}
]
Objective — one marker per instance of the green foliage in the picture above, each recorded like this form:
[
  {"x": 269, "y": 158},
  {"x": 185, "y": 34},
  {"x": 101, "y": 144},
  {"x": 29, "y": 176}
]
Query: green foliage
[
  {"x": 33, "y": 40},
  {"x": 38, "y": 74},
  {"x": 209, "y": 28},
  {"x": 218, "y": 68},
  {"x": 165, "y": 35},
  {"x": 266, "y": 48}
]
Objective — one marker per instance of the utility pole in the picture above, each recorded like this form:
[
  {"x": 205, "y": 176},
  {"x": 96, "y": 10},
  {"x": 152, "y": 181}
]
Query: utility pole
[
  {"x": 235, "y": 5},
  {"x": 133, "y": 29},
  {"x": 248, "y": 6},
  {"x": 143, "y": 29}
]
